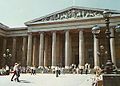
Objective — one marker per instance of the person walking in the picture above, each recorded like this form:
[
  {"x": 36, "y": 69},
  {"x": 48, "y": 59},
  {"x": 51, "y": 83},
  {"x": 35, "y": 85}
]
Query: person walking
[{"x": 16, "y": 72}]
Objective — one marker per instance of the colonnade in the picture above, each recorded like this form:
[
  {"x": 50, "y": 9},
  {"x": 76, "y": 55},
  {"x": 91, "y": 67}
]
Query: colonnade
[
  {"x": 54, "y": 49},
  {"x": 30, "y": 48}
]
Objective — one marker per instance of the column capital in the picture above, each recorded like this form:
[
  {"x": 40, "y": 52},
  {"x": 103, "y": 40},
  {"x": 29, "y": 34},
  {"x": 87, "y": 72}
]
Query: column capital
[
  {"x": 14, "y": 37},
  {"x": 54, "y": 31},
  {"x": 24, "y": 36},
  {"x": 80, "y": 29},
  {"x": 41, "y": 32},
  {"x": 29, "y": 33},
  {"x": 66, "y": 30}
]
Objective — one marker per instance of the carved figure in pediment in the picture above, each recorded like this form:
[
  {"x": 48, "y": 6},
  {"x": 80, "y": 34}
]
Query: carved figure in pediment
[
  {"x": 97, "y": 13},
  {"x": 72, "y": 13},
  {"x": 78, "y": 13},
  {"x": 63, "y": 16},
  {"x": 57, "y": 17}
]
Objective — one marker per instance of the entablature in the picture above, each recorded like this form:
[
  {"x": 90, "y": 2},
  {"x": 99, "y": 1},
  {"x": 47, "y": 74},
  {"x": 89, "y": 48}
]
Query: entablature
[{"x": 73, "y": 24}]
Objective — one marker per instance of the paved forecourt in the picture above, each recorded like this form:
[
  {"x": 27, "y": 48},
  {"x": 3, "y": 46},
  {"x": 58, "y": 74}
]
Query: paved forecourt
[{"x": 48, "y": 80}]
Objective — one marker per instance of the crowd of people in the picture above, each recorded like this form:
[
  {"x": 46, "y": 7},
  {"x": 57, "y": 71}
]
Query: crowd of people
[
  {"x": 5, "y": 70},
  {"x": 73, "y": 69}
]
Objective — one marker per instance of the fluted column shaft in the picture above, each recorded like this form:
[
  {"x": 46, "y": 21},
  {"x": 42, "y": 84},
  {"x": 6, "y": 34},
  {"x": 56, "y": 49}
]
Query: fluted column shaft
[
  {"x": 46, "y": 57},
  {"x": 81, "y": 49},
  {"x": 54, "y": 49},
  {"x": 41, "y": 50},
  {"x": 34, "y": 51},
  {"x": 67, "y": 50},
  {"x": 14, "y": 50},
  {"x": 24, "y": 50},
  {"x": 29, "y": 50}
]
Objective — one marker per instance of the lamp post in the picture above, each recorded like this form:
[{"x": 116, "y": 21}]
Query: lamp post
[
  {"x": 106, "y": 15},
  {"x": 7, "y": 55},
  {"x": 96, "y": 30}
]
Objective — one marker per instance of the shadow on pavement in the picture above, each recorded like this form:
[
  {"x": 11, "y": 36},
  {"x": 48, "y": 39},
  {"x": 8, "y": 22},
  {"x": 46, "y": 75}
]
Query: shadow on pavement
[{"x": 24, "y": 81}]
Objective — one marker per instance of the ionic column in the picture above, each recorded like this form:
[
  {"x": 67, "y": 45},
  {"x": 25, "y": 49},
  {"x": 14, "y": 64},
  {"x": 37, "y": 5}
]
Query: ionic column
[
  {"x": 67, "y": 49},
  {"x": 70, "y": 51},
  {"x": 112, "y": 46},
  {"x": 96, "y": 50},
  {"x": 29, "y": 50},
  {"x": 13, "y": 50},
  {"x": 34, "y": 51},
  {"x": 54, "y": 49},
  {"x": 81, "y": 49},
  {"x": 24, "y": 48},
  {"x": 61, "y": 50},
  {"x": 41, "y": 50},
  {"x": 46, "y": 52},
  {"x": 58, "y": 49}
]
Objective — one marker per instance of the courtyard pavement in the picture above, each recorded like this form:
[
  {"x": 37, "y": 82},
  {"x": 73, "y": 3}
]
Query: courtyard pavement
[{"x": 48, "y": 80}]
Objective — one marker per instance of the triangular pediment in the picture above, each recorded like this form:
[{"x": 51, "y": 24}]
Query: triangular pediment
[{"x": 74, "y": 12}]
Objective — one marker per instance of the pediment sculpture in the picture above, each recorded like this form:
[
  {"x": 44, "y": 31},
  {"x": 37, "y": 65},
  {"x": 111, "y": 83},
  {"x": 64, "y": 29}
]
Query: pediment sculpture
[{"x": 72, "y": 13}]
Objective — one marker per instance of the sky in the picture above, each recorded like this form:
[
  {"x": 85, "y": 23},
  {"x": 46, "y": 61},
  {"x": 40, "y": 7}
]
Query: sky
[{"x": 14, "y": 13}]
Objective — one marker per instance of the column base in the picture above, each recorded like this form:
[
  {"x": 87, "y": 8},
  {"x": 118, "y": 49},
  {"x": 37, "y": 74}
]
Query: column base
[
  {"x": 96, "y": 67},
  {"x": 53, "y": 67},
  {"x": 67, "y": 67},
  {"x": 40, "y": 66},
  {"x": 81, "y": 67},
  {"x": 28, "y": 67}
]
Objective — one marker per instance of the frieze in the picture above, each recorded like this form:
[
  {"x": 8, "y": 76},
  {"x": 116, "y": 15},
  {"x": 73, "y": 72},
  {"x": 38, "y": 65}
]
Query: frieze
[{"x": 72, "y": 13}]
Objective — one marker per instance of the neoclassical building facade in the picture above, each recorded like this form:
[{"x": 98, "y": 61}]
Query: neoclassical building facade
[{"x": 62, "y": 38}]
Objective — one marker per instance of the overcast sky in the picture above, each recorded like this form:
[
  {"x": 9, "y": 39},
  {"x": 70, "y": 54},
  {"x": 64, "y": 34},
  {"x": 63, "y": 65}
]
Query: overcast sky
[{"x": 14, "y": 13}]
